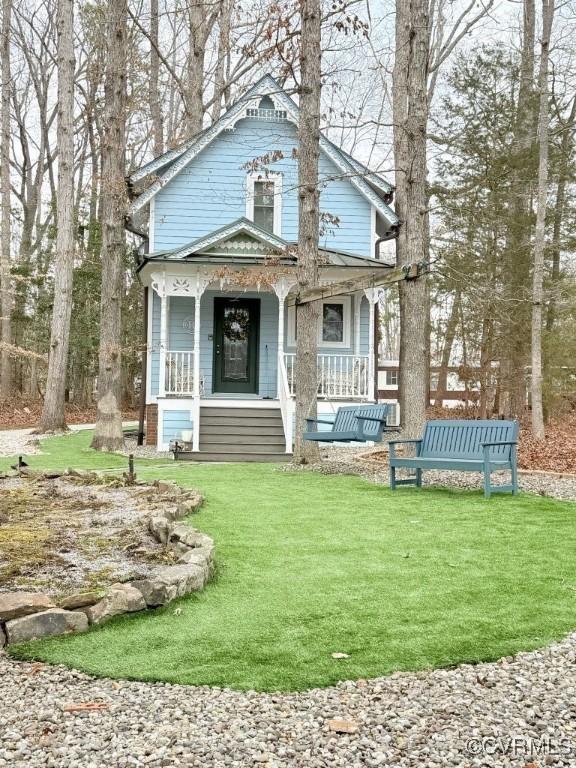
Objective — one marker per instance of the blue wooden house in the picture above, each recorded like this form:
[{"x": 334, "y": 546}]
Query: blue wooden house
[{"x": 220, "y": 275}]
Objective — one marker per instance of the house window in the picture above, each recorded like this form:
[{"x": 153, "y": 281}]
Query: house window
[
  {"x": 264, "y": 201},
  {"x": 391, "y": 378},
  {"x": 333, "y": 324},
  {"x": 264, "y": 205}
]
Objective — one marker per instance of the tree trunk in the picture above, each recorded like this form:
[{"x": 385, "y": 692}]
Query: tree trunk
[
  {"x": 6, "y": 237},
  {"x": 410, "y": 107},
  {"x": 449, "y": 337},
  {"x": 53, "y": 413},
  {"x": 540, "y": 234},
  {"x": 516, "y": 256},
  {"x": 154, "y": 93},
  {"x": 559, "y": 209},
  {"x": 308, "y": 226},
  {"x": 223, "y": 56},
  {"x": 108, "y": 433},
  {"x": 199, "y": 25}
]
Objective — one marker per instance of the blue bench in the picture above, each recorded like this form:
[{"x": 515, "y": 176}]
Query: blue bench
[
  {"x": 352, "y": 423},
  {"x": 467, "y": 446}
]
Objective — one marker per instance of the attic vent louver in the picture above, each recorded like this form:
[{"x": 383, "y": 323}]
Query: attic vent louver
[{"x": 266, "y": 111}]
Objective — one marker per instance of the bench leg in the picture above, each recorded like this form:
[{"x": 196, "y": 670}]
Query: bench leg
[
  {"x": 392, "y": 478},
  {"x": 487, "y": 488},
  {"x": 418, "y": 478},
  {"x": 514, "y": 472}
]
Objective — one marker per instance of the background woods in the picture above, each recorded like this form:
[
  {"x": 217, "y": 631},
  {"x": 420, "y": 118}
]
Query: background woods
[{"x": 480, "y": 141}]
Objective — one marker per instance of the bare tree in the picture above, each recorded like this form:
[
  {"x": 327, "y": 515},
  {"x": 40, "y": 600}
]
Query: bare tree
[
  {"x": 108, "y": 433},
  {"x": 53, "y": 413},
  {"x": 202, "y": 16},
  {"x": 308, "y": 224},
  {"x": 540, "y": 233},
  {"x": 6, "y": 298},
  {"x": 410, "y": 114},
  {"x": 516, "y": 255},
  {"x": 154, "y": 92}
]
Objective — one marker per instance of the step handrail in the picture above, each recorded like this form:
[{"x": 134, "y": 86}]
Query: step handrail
[{"x": 286, "y": 402}]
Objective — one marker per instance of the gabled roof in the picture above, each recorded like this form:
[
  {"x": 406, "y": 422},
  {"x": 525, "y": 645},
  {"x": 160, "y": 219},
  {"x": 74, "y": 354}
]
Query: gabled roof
[
  {"x": 242, "y": 242},
  {"x": 168, "y": 165}
]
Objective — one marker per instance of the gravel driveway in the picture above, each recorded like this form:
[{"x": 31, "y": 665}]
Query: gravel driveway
[{"x": 520, "y": 711}]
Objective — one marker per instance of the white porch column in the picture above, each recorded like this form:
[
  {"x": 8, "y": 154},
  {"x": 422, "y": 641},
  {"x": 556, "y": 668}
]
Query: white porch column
[
  {"x": 373, "y": 296},
  {"x": 200, "y": 286},
  {"x": 357, "y": 305},
  {"x": 281, "y": 288},
  {"x": 163, "y": 335}
]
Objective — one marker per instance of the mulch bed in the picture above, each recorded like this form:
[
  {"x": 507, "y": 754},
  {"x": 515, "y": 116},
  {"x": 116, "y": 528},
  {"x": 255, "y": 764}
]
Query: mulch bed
[{"x": 20, "y": 413}]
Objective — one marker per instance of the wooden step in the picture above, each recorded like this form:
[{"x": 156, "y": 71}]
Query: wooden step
[
  {"x": 240, "y": 412},
  {"x": 277, "y": 430},
  {"x": 253, "y": 438},
  {"x": 239, "y": 421},
  {"x": 233, "y": 457},
  {"x": 212, "y": 447}
]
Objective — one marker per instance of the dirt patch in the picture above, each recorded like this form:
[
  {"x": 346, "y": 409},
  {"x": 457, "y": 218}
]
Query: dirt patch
[{"x": 60, "y": 537}]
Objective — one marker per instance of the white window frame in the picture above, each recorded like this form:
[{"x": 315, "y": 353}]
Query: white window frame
[
  {"x": 347, "y": 320},
  {"x": 276, "y": 178}
]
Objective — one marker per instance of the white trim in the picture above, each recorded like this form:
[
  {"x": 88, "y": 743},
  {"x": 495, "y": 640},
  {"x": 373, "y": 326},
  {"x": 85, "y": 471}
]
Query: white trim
[
  {"x": 152, "y": 226},
  {"x": 176, "y": 404},
  {"x": 373, "y": 235},
  {"x": 264, "y": 87},
  {"x": 150, "y": 398},
  {"x": 347, "y": 320},
  {"x": 276, "y": 179}
]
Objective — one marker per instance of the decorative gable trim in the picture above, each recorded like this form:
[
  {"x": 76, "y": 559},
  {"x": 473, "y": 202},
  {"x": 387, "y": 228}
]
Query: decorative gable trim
[
  {"x": 266, "y": 86},
  {"x": 241, "y": 226}
]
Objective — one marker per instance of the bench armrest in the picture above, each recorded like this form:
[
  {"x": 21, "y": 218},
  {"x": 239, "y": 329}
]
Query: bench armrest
[
  {"x": 500, "y": 442},
  {"x": 393, "y": 443},
  {"x": 371, "y": 418},
  {"x": 318, "y": 421}
]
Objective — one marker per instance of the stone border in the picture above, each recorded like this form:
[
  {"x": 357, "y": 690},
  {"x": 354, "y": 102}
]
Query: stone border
[{"x": 31, "y": 616}]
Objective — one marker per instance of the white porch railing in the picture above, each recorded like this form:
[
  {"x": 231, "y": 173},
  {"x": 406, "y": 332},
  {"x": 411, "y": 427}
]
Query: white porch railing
[
  {"x": 286, "y": 402},
  {"x": 339, "y": 376},
  {"x": 179, "y": 373}
]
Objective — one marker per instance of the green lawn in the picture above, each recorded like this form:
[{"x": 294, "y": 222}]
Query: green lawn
[{"x": 309, "y": 564}]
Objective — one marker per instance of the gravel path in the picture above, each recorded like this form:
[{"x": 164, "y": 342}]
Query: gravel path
[
  {"x": 21, "y": 441},
  {"x": 359, "y": 461},
  {"x": 520, "y": 712}
]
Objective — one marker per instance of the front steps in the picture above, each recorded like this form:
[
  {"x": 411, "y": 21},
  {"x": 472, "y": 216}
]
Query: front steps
[{"x": 240, "y": 434}]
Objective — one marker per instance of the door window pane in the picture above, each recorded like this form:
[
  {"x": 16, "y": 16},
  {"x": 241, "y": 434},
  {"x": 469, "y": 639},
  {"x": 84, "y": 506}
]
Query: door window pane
[
  {"x": 264, "y": 205},
  {"x": 333, "y": 323},
  {"x": 236, "y": 333}
]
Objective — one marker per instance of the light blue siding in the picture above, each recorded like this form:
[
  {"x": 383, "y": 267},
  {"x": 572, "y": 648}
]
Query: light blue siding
[
  {"x": 364, "y": 326},
  {"x": 173, "y": 424},
  {"x": 211, "y": 191}
]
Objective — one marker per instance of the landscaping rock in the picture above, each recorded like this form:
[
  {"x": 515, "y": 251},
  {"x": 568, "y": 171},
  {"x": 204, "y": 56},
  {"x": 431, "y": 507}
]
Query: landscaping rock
[
  {"x": 160, "y": 527},
  {"x": 188, "y": 536},
  {"x": 55, "y": 621},
  {"x": 121, "y": 598},
  {"x": 155, "y": 591},
  {"x": 186, "y": 578},
  {"x": 201, "y": 556},
  {"x": 163, "y": 486},
  {"x": 3, "y": 639},
  {"x": 190, "y": 505},
  {"x": 82, "y": 599},
  {"x": 14, "y": 605}
]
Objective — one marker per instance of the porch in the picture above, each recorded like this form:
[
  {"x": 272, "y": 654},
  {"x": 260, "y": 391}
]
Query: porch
[{"x": 235, "y": 348}]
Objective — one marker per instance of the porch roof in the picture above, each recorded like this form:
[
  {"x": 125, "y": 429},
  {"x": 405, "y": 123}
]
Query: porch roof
[{"x": 242, "y": 242}]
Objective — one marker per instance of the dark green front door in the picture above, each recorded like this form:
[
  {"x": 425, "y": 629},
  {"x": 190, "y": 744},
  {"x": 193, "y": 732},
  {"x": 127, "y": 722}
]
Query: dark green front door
[{"x": 236, "y": 329}]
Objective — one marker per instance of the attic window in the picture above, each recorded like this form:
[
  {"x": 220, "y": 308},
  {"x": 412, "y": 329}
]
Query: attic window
[
  {"x": 266, "y": 110},
  {"x": 264, "y": 201}
]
